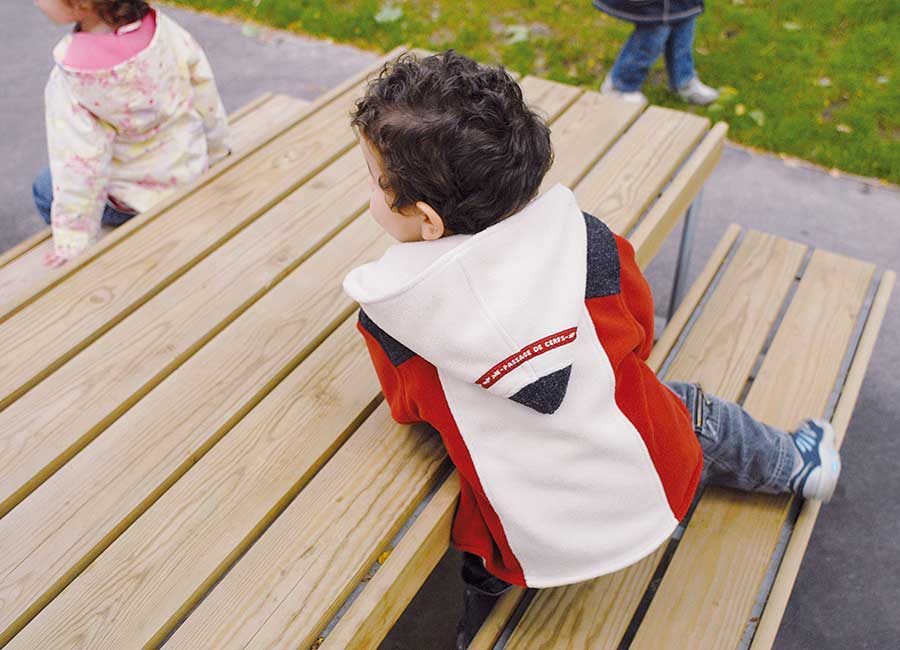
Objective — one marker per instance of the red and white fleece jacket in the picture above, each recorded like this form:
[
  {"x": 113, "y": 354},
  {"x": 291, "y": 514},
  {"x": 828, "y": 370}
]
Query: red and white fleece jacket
[{"x": 524, "y": 347}]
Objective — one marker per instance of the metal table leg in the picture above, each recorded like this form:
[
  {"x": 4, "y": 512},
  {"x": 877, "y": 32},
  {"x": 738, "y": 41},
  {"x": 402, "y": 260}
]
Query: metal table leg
[{"x": 684, "y": 255}]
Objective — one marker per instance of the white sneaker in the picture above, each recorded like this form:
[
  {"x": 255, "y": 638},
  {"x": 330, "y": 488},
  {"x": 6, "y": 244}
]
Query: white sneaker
[
  {"x": 816, "y": 476},
  {"x": 607, "y": 88},
  {"x": 697, "y": 92}
]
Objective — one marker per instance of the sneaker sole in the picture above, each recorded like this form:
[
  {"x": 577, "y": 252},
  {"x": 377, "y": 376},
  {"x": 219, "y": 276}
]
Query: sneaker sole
[{"x": 830, "y": 470}]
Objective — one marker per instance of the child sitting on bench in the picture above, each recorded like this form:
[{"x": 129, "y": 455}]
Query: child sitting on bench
[{"x": 518, "y": 327}]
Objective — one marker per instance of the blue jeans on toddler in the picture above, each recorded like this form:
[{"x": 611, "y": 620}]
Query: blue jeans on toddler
[
  {"x": 646, "y": 44},
  {"x": 738, "y": 452},
  {"x": 42, "y": 191}
]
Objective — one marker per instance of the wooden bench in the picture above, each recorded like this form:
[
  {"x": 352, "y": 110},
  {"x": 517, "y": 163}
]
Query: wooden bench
[{"x": 193, "y": 449}]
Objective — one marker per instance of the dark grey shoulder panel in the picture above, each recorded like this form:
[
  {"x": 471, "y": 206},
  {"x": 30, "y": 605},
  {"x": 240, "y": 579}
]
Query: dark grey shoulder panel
[
  {"x": 547, "y": 393},
  {"x": 396, "y": 352},
  {"x": 602, "y": 259}
]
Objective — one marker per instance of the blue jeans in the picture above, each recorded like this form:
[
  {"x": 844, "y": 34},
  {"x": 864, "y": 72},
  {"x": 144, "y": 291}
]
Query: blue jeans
[
  {"x": 646, "y": 44},
  {"x": 738, "y": 452},
  {"x": 42, "y": 191}
]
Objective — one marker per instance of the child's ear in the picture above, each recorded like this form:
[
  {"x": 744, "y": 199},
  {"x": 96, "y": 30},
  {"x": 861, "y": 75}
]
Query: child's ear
[{"x": 432, "y": 223}]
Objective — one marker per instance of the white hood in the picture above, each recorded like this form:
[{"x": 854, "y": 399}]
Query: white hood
[{"x": 459, "y": 305}]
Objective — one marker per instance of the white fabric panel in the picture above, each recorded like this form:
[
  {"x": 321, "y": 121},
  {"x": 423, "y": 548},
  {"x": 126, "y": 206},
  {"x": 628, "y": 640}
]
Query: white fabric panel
[{"x": 576, "y": 491}]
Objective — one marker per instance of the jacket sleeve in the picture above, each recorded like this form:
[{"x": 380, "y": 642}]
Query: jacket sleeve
[
  {"x": 388, "y": 357},
  {"x": 208, "y": 103},
  {"x": 80, "y": 146},
  {"x": 636, "y": 294}
]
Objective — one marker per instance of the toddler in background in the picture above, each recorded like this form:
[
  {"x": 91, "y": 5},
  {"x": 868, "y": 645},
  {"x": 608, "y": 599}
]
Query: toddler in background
[
  {"x": 660, "y": 26},
  {"x": 132, "y": 113}
]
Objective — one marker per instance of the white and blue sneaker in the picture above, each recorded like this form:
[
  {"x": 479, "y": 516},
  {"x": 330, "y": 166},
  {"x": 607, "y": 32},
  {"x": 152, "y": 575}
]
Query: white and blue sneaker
[{"x": 817, "y": 462}]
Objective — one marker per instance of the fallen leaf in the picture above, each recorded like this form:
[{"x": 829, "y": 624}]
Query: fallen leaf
[
  {"x": 739, "y": 3},
  {"x": 389, "y": 13},
  {"x": 825, "y": 82},
  {"x": 516, "y": 33},
  {"x": 714, "y": 108},
  {"x": 740, "y": 109},
  {"x": 758, "y": 116},
  {"x": 727, "y": 92},
  {"x": 384, "y": 556},
  {"x": 250, "y": 30},
  {"x": 844, "y": 128},
  {"x": 883, "y": 79},
  {"x": 792, "y": 26},
  {"x": 317, "y": 643},
  {"x": 759, "y": 76},
  {"x": 702, "y": 51}
]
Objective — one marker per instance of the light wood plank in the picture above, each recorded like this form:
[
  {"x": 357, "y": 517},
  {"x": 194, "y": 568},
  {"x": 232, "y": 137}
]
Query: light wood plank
[
  {"x": 653, "y": 230},
  {"x": 549, "y": 98},
  {"x": 124, "y": 232},
  {"x": 273, "y": 117},
  {"x": 747, "y": 298},
  {"x": 709, "y": 589},
  {"x": 388, "y": 593},
  {"x": 208, "y": 518},
  {"x": 38, "y": 339},
  {"x": 584, "y": 133},
  {"x": 74, "y": 515},
  {"x": 809, "y": 511},
  {"x": 621, "y": 186},
  {"x": 23, "y": 265},
  {"x": 23, "y": 247},
  {"x": 291, "y": 582},
  {"x": 62, "y": 414}
]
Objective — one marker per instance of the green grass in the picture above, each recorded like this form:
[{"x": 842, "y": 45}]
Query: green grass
[{"x": 816, "y": 80}]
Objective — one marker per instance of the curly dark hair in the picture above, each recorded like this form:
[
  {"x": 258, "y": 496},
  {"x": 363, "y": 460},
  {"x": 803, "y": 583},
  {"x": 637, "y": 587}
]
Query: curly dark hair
[
  {"x": 116, "y": 13},
  {"x": 456, "y": 135}
]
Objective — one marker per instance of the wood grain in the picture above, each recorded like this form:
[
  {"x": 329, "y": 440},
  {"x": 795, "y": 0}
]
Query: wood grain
[
  {"x": 62, "y": 414},
  {"x": 82, "y": 508},
  {"x": 809, "y": 511},
  {"x": 395, "y": 583},
  {"x": 274, "y": 116},
  {"x": 135, "y": 592},
  {"x": 621, "y": 186},
  {"x": 709, "y": 589},
  {"x": 747, "y": 297},
  {"x": 653, "y": 229},
  {"x": 291, "y": 582},
  {"x": 584, "y": 133},
  {"x": 549, "y": 98},
  {"x": 38, "y": 339}
]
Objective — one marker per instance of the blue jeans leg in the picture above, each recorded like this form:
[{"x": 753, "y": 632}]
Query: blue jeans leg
[
  {"x": 738, "y": 451},
  {"x": 42, "y": 191},
  {"x": 680, "y": 53},
  {"x": 641, "y": 50}
]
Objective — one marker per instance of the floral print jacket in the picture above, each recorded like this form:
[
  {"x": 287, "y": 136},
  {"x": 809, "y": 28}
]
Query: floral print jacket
[{"x": 134, "y": 131}]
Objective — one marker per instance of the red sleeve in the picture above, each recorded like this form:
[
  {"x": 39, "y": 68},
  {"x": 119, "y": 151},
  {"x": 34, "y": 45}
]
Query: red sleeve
[
  {"x": 403, "y": 409},
  {"x": 636, "y": 294}
]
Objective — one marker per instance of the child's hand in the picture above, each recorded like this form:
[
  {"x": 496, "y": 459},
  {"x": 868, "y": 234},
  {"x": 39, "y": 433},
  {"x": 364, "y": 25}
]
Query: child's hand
[{"x": 53, "y": 261}]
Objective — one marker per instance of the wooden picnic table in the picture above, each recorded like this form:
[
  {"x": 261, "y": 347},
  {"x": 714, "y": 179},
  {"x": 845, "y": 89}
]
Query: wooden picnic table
[{"x": 194, "y": 452}]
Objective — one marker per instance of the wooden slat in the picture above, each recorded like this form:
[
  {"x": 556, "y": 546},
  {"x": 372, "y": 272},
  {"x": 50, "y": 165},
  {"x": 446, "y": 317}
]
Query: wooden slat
[
  {"x": 74, "y": 515},
  {"x": 126, "y": 231},
  {"x": 28, "y": 267},
  {"x": 209, "y": 517},
  {"x": 62, "y": 414},
  {"x": 23, "y": 247},
  {"x": 653, "y": 230},
  {"x": 809, "y": 511},
  {"x": 291, "y": 582},
  {"x": 743, "y": 307},
  {"x": 388, "y": 593},
  {"x": 584, "y": 133},
  {"x": 42, "y": 336},
  {"x": 549, "y": 97},
  {"x": 273, "y": 117},
  {"x": 709, "y": 589},
  {"x": 621, "y": 186}
]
